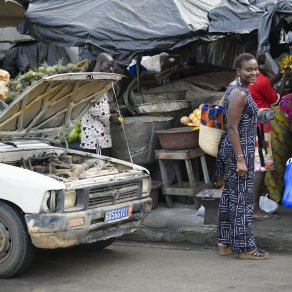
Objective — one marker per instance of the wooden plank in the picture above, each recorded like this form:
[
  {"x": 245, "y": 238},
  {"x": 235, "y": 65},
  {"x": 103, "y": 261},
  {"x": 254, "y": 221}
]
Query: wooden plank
[
  {"x": 165, "y": 182},
  {"x": 190, "y": 173},
  {"x": 178, "y": 154},
  {"x": 178, "y": 173},
  {"x": 163, "y": 173},
  {"x": 169, "y": 202},
  {"x": 185, "y": 191},
  {"x": 207, "y": 193},
  {"x": 178, "y": 191},
  {"x": 196, "y": 168},
  {"x": 205, "y": 170}
]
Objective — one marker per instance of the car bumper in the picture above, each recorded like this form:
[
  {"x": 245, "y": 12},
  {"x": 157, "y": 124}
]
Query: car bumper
[{"x": 61, "y": 230}]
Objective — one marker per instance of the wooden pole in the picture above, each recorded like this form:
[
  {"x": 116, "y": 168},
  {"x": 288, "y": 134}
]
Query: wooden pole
[{"x": 138, "y": 71}]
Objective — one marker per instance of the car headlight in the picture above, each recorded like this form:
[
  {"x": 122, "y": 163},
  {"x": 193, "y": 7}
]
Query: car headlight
[
  {"x": 69, "y": 199},
  {"x": 146, "y": 185},
  {"x": 49, "y": 202},
  {"x": 54, "y": 201}
]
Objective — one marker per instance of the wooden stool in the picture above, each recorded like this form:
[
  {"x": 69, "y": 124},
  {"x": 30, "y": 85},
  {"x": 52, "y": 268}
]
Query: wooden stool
[{"x": 181, "y": 188}]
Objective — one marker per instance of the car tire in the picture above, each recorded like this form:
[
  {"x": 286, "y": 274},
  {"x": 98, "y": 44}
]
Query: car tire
[
  {"x": 97, "y": 245},
  {"x": 16, "y": 249}
]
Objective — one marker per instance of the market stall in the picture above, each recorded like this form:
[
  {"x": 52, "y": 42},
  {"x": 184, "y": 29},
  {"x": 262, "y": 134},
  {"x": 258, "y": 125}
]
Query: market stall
[{"x": 179, "y": 85}]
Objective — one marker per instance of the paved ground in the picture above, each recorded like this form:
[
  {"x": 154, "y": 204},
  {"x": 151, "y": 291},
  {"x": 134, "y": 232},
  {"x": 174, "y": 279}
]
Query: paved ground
[
  {"x": 156, "y": 268},
  {"x": 182, "y": 225}
]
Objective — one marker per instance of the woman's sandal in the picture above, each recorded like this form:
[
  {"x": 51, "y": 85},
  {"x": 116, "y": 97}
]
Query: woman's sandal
[
  {"x": 224, "y": 249},
  {"x": 256, "y": 254},
  {"x": 261, "y": 217}
]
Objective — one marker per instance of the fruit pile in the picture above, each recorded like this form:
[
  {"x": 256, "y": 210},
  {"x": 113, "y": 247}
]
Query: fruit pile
[
  {"x": 285, "y": 63},
  {"x": 193, "y": 120},
  {"x": 4, "y": 80},
  {"x": 22, "y": 81},
  {"x": 75, "y": 134}
]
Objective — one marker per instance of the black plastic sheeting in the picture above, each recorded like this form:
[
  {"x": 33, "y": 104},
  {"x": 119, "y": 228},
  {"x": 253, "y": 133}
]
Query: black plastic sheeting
[
  {"x": 30, "y": 55},
  {"x": 121, "y": 28},
  {"x": 243, "y": 16}
]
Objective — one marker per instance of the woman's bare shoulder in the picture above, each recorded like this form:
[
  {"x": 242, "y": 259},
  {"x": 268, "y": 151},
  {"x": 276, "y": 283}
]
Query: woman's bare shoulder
[{"x": 238, "y": 95}]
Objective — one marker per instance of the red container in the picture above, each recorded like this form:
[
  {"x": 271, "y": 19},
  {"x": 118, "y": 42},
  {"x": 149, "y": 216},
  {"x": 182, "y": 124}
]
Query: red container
[{"x": 179, "y": 138}]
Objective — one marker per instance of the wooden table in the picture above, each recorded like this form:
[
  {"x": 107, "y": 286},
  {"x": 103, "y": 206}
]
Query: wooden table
[{"x": 182, "y": 188}]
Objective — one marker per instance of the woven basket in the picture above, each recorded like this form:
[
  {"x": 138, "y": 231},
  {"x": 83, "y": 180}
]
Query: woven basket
[{"x": 209, "y": 139}]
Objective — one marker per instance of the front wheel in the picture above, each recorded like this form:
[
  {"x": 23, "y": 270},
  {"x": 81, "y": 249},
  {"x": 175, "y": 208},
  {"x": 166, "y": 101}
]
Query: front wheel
[{"x": 16, "y": 250}]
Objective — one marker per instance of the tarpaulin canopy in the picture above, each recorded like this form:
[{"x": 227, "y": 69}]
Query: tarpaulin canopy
[
  {"x": 244, "y": 16},
  {"x": 121, "y": 28},
  {"x": 30, "y": 55}
]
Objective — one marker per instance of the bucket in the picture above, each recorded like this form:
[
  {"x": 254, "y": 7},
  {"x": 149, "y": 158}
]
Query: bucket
[
  {"x": 154, "y": 194},
  {"x": 142, "y": 137}
]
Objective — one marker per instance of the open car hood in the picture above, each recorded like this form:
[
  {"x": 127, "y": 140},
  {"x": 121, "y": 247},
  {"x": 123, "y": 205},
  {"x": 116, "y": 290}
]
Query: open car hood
[
  {"x": 49, "y": 109},
  {"x": 12, "y": 12}
]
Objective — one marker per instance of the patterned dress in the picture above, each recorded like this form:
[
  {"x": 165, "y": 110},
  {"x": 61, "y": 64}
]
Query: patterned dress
[
  {"x": 282, "y": 150},
  {"x": 95, "y": 130},
  {"x": 237, "y": 201}
]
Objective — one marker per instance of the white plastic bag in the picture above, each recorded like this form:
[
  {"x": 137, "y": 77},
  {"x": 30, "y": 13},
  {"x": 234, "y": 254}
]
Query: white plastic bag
[
  {"x": 201, "y": 211},
  {"x": 267, "y": 205}
]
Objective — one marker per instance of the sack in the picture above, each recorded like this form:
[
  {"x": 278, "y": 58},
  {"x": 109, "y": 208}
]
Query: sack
[
  {"x": 287, "y": 198},
  {"x": 211, "y": 128},
  {"x": 267, "y": 205}
]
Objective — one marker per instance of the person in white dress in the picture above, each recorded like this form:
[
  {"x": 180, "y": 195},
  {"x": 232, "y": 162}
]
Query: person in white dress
[{"x": 95, "y": 124}]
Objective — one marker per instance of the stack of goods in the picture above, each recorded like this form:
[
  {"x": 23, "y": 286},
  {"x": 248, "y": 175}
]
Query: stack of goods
[
  {"x": 285, "y": 63},
  {"x": 193, "y": 120},
  {"x": 75, "y": 134},
  {"x": 23, "y": 81},
  {"x": 4, "y": 80}
]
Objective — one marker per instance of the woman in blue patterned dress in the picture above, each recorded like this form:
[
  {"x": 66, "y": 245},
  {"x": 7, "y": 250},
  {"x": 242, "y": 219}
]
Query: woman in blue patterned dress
[{"x": 235, "y": 164}]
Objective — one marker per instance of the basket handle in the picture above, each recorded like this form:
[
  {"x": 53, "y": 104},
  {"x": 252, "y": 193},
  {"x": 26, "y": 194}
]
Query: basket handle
[{"x": 221, "y": 101}]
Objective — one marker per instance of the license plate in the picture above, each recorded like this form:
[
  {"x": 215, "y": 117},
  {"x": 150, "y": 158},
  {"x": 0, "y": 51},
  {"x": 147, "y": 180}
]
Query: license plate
[{"x": 118, "y": 214}]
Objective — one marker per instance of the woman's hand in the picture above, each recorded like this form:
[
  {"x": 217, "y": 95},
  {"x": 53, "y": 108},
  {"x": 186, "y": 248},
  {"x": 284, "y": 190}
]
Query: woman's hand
[
  {"x": 114, "y": 118},
  {"x": 263, "y": 109},
  {"x": 241, "y": 168},
  {"x": 287, "y": 73},
  {"x": 113, "y": 109},
  {"x": 265, "y": 115}
]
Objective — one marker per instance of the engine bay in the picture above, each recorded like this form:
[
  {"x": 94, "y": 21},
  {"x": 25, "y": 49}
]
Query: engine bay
[{"x": 66, "y": 167}]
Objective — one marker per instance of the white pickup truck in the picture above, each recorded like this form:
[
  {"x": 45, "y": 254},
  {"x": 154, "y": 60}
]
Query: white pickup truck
[{"x": 54, "y": 197}]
